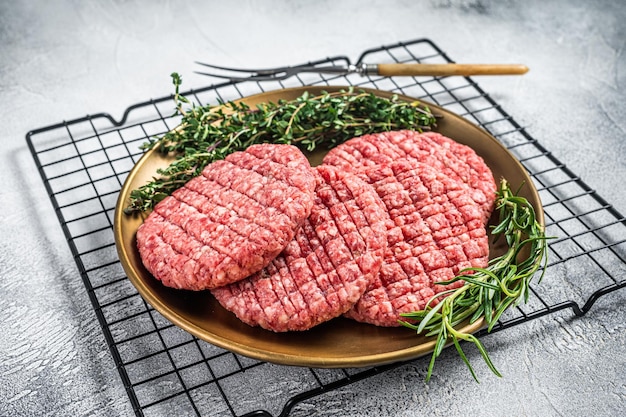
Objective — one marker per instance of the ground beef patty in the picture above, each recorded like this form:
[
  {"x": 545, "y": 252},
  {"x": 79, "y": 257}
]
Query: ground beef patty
[
  {"x": 437, "y": 230},
  {"x": 230, "y": 221},
  {"x": 327, "y": 266},
  {"x": 446, "y": 155}
]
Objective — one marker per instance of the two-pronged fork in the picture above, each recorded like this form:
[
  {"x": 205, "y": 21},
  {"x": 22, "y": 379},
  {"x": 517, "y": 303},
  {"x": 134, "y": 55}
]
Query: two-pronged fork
[{"x": 385, "y": 70}]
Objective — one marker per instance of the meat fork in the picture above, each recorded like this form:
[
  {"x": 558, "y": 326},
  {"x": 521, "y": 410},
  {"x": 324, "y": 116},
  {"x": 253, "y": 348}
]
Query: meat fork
[{"x": 385, "y": 70}]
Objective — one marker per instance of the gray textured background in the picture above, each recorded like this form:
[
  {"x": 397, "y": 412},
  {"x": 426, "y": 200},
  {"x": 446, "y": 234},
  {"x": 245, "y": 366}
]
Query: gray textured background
[{"x": 64, "y": 59}]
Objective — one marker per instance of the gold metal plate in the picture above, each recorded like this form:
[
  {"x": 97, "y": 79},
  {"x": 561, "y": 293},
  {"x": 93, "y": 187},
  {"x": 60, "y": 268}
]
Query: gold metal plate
[{"x": 337, "y": 343}]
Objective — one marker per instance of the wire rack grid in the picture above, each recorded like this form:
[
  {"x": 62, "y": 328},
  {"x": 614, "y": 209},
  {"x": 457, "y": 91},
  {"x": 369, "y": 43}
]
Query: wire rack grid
[{"x": 84, "y": 162}]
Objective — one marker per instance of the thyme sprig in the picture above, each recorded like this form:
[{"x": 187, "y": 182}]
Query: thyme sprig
[
  {"x": 209, "y": 133},
  {"x": 487, "y": 292}
]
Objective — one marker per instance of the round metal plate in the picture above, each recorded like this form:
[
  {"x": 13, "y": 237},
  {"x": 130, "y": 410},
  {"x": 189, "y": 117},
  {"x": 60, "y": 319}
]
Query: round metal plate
[{"x": 337, "y": 343}]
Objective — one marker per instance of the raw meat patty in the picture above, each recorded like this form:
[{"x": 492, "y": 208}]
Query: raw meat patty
[
  {"x": 444, "y": 154},
  {"x": 230, "y": 221},
  {"x": 437, "y": 230},
  {"x": 328, "y": 265}
]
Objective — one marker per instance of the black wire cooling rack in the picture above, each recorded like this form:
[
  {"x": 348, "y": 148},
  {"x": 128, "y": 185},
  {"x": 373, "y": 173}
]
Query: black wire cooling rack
[{"x": 166, "y": 371}]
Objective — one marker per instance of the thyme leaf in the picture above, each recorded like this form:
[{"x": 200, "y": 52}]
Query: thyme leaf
[
  {"x": 209, "y": 133},
  {"x": 487, "y": 292}
]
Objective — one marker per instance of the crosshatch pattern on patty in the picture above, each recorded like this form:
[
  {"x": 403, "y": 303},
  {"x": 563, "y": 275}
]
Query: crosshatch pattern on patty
[
  {"x": 450, "y": 157},
  {"x": 230, "y": 221},
  {"x": 328, "y": 265},
  {"x": 437, "y": 230}
]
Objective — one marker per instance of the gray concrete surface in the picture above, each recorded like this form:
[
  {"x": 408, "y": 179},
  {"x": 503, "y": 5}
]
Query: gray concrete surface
[{"x": 64, "y": 59}]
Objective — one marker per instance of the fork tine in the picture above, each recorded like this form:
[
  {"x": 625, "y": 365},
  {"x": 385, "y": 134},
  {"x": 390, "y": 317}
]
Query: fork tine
[
  {"x": 261, "y": 71},
  {"x": 227, "y": 77},
  {"x": 267, "y": 77}
]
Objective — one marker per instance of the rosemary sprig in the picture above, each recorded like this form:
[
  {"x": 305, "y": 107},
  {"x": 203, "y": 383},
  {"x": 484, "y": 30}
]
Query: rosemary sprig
[
  {"x": 487, "y": 292},
  {"x": 209, "y": 133}
]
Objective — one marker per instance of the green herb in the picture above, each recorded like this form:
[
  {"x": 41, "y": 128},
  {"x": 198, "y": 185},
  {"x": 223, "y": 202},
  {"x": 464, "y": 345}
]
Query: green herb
[
  {"x": 489, "y": 291},
  {"x": 209, "y": 133}
]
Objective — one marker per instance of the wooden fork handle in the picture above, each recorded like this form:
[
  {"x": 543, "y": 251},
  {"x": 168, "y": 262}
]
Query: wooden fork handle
[{"x": 389, "y": 70}]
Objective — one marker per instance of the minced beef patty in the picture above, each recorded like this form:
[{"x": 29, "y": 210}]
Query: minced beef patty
[
  {"x": 446, "y": 155},
  {"x": 230, "y": 221},
  {"x": 327, "y": 266},
  {"x": 436, "y": 231}
]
